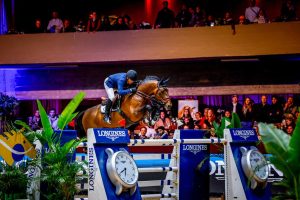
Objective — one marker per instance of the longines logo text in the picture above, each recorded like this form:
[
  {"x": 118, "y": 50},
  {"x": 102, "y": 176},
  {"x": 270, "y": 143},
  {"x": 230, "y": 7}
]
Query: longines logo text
[
  {"x": 243, "y": 133},
  {"x": 112, "y": 135},
  {"x": 91, "y": 169},
  {"x": 194, "y": 148}
]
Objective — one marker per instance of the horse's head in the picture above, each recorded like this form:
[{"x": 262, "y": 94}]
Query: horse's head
[
  {"x": 156, "y": 89},
  {"x": 162, "y": 94}
]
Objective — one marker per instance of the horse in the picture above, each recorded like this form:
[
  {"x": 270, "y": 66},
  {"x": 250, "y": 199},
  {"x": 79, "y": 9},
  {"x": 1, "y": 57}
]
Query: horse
[{"x": 133, "y": 107}]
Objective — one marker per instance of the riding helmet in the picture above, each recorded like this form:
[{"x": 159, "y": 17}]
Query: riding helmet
[{"x": 131, "y": 74}]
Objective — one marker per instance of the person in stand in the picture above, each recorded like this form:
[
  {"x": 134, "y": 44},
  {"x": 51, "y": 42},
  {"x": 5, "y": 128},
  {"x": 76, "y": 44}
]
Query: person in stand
[{"x": 118, "y": 81}]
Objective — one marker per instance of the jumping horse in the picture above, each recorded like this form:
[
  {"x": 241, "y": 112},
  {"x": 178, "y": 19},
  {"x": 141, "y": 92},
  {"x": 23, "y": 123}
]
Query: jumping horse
[{"x": 133, "y": 107}]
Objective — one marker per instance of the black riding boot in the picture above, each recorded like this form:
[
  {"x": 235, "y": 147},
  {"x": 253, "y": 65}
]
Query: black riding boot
[{"x": 107, "y": 111}]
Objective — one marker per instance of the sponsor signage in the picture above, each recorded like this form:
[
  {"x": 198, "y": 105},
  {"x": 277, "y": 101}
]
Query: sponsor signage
[
  {"x": 243, "y": 135},
  {"x": 111, "y": 136}
]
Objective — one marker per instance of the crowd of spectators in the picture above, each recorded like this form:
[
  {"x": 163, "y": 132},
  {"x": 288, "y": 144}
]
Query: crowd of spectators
[
  {"x": 194, "y": 16},
  {"x": 282, "y": 114}
]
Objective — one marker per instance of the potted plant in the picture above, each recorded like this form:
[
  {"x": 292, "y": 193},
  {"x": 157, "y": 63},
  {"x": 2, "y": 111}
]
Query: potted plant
[
  {"x": 13, "y": 181},
  {"x": 7, "y": 106},
  {"x": 58, "y": 173},
  {"x": 285, "y": 151}
]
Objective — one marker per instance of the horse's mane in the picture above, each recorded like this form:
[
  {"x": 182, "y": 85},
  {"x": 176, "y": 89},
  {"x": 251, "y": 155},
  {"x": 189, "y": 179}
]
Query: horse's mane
[{"x": 150, "y": 78}]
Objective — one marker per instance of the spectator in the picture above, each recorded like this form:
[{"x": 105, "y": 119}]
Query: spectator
[
  {"x": 183, "y": 17},
  {"x": 251, "y": 13},
  {"x": 105, "y": 25},
  {"x": 276, "y": 111},
  {"x": 227, "y": 20},
  {"x": 235, "y": 106},
  {"x": 94, "y": 23},
  {"x": 262, "y": 19},
  {"x": 53, "y": 119},
  {"x": 67, "y": 26},
  {"x": 289, "y": 107},
  {"x": 165, "y": 17},
  {"x": 288, "y": 12},
  {"x": 161, "y": 133},
  {"x": 35, "y": 122},
  {"x": 143, "y": 133},
  {"x": 120, "y": 25},
  {"x": 247, "y": 113},
  {"x": 55, "y": 25},
  {"x": 38, "y": 28},
  {"x": 262, "y": 110},
  {"x": 290, "y": 130},
  {"x": 162, "y": 121}
]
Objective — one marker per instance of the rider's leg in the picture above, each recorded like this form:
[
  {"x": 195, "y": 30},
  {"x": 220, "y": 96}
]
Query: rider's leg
[{"x": 111, "y": 96}]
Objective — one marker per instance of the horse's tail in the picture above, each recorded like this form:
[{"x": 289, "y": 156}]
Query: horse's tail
[{"x": 78, "y": 125}]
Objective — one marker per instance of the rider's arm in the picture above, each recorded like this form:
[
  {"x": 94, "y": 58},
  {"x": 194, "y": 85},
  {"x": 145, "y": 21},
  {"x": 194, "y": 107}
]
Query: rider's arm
[{"x": 121, "y": 90}]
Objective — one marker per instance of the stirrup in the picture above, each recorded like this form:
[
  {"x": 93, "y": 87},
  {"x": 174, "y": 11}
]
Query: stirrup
[{"x": 107, "y": 119}]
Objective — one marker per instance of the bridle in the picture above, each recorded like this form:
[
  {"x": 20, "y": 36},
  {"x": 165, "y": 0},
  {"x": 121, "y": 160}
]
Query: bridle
[{"x": 152, "y": 99}]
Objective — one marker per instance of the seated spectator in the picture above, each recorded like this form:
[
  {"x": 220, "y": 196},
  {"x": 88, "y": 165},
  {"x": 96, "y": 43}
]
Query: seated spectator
[
  {"x": 67, "y": 27},
  {"x": 288, "y": 12},
  {"x": 262, "y": 19},
  {"x": 161, "y": 133},
  {"x": 162, "y": 121},
  {"x": 187, "y": 124},
  {"x": 143, "y": 133},
  {"x": 171, "y": 134},
  {"x": 186, "y": 112},
  {"x": 227, "y": 20},
  {"x": 120, "y": 25},
  {"x": 55, "y": 25},
  {"x": 129, "y": 23},
  {"x": 242, "y": 20},
  {"x": 276, "y": 111},
  {"x": 198, "y": 119},
  {"x": 287, "y": 121},
  {"x": 105, "y": 25},
  {"x": 183, "y": 17},
  {"x": 261, "y": 110},
  {"x": 35, "y": 122},
  {"x": 38, "y": 28},
  {"x": 53, "y": 118},
  {"x": 132, "y": 134},
  {"x": 209, "y": 122},
  {"x": 210, "y": 21},
  {"x": 289, "y": 107},
  {"x": 290, "y": 129},
  {"x": 94, "y": 23},
  {"x": 200, "y": 17},
  {"x": 251, "y": 13}
]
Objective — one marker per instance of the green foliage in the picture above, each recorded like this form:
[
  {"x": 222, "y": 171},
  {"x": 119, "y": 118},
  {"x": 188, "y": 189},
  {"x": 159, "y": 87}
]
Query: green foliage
[
  {"x": 13, "y": 180},
  {"x": 58, "y": 173},
  {"x": 68, "y": 113},
  {"x": 285, "y": 152},
  {"x": 226, "y": 122},
  {"x": 7, "y": 105}
]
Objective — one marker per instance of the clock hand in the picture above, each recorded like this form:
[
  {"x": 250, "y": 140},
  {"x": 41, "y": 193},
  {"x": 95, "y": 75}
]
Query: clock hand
[{"x": 123, "y": 171}]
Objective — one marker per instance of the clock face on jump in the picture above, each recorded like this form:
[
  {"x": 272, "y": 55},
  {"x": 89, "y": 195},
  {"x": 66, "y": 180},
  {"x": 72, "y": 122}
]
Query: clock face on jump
[
  {"x": 259, "y": 165},
  {"x": 126, "y": 168}
]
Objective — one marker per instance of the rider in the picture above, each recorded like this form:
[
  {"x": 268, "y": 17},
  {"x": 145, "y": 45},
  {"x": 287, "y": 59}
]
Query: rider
[{"x": 118, "y": 81}]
